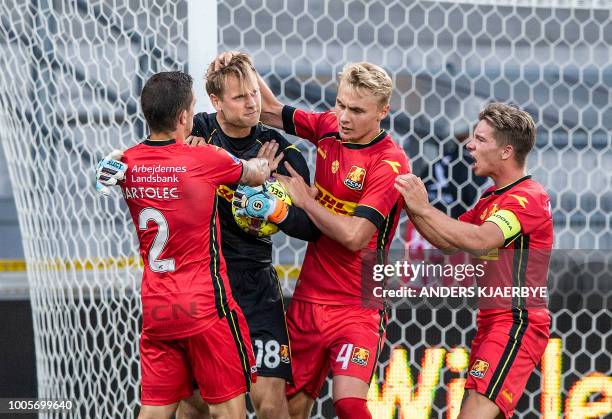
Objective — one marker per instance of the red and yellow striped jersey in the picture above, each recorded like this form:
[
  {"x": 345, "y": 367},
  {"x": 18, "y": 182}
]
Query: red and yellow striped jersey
[
  {"x": 522, "y": 211},
  {"x": 170, "y": 189},
  {"x": 353, "y": 180}
]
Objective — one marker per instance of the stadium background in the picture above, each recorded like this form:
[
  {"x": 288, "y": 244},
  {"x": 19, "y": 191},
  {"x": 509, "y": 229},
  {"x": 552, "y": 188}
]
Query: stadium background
[{"x": 70, "y": 77}]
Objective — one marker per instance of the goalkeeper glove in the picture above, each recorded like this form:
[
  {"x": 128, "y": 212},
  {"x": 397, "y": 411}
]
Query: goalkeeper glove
[
  {"x": 109, "y": 171},
  {"x": 258, "y": 202}
]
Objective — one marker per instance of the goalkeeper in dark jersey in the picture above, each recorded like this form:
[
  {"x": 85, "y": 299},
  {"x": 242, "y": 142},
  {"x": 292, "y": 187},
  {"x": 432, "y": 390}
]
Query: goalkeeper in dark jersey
[{"x": 235, "y": 126}]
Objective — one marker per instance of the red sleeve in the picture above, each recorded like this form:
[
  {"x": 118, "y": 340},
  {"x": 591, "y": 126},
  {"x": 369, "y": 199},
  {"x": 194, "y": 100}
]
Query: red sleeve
[
  {"x": 468, "y": 216},
  {"x": 532, "y": 210},
  {"x": 222, "y": 167},
  {"x": 379, "y": 196},
  {"x": 311, "y": 126}
]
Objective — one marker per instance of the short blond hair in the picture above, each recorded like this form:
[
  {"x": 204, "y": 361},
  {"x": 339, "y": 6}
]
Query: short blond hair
[
  {"x": 512, "y": 127},
  {"x": 239, "y": 66},
  {"x": 368, "y": 77}
]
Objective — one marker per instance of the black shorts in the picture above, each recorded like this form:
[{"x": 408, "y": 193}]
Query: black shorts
[{"x": 259, "y": 294}]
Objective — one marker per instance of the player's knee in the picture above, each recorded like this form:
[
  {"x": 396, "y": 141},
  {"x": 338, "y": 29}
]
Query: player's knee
[
  {"x": 272, "y": 409},
  {"x": 193, "y": 408},
  {"x": 156, "y": 412},
  {"x": 352, "y": 408},
  {"x": 230, "y": 409},
  {"x": 477, "y": 405},
  {"x": 268, "y": 397},
  {"x": 192, "y": 414},
  {"x": 300, "y": 406},
  {"x": 189, "y": 411}
]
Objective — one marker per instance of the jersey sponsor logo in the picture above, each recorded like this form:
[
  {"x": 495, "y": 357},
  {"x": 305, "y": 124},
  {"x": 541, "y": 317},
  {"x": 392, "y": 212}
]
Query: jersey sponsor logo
[
  {"x": 504, "y": 220},
  {"x": 479, "y": 368},
  {"x": 355, "y": 178},
  {"x": 333, "y": 204},
  {"x": 521, "y": 199},
  {"x": 394, "y": 165},
  {"x": 140, "y": 192},
  {"x": 284, "y": 354},
  {"x": 360, "y": 356},
  {"x": 335, "y": 166},
  {"x": 225, "y": 192},
  {"x": 508, "y": 223}
]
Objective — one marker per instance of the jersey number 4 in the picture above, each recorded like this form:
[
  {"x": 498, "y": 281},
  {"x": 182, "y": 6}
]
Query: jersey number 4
[{"x": 161, "y": 238}]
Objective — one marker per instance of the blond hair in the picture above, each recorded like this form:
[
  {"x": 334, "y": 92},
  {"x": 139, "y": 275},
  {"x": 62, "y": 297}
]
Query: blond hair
[
  {"x": 368, "y": 77},
  {"x": 239, "y": 66},
  {"x": 512, "y": 127}
]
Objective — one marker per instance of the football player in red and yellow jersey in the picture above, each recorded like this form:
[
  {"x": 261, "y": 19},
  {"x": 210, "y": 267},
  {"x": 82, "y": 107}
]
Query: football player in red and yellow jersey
[
  {"x": 513, "y": 220},
  {"x": 357, "y": 210},
  {"x": 192, "y": 329}
]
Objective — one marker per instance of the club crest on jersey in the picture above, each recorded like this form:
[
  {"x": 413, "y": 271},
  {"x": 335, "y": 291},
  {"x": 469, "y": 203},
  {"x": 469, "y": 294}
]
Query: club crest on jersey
[
  {"x": 360, "y": 356},
  {"x": 479, "y": 368},
  {"x": 355, "y": 178},
  {"x": 284, "y": 354}
]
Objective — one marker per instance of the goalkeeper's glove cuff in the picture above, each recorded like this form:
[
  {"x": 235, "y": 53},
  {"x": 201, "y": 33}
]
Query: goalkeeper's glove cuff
[
  {"x": 109, "y": 171},
  {"x": 279, "y": 213}
]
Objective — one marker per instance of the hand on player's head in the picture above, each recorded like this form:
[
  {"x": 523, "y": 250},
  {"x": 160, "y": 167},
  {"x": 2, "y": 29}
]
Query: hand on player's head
[
  {"x": 224, "y": 59},
  {"x": 268, "y": 151},
  {"x": 109, "y": 171}
]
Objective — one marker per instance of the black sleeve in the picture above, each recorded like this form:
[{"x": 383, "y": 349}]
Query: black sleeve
[
  {"x": 298, "y": 225},
  {"x": 287, "y": 116},
  {"x": 294, "y": 156}
]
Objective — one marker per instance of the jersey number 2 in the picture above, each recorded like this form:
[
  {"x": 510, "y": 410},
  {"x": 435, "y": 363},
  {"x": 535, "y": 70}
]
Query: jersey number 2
[{"x": 161, "y": 238}]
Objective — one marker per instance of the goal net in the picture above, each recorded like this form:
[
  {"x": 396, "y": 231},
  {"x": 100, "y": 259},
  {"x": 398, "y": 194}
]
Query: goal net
[{"x": 70, "y": 78}]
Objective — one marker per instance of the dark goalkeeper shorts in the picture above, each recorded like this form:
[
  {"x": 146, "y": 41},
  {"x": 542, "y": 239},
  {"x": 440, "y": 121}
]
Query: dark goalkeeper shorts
[{"x": 259, "y": 294}]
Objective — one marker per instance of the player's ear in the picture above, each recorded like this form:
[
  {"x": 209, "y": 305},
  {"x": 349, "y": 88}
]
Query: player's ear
[
  {"x": 507, "y": 152},
  {"x": 215, "y": 101},
  {"x": 383, "y": 111},
  {"x": 183, "y": 118}
]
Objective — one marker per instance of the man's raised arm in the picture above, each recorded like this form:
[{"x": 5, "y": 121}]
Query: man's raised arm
[{"x": 271, "y": 107}]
